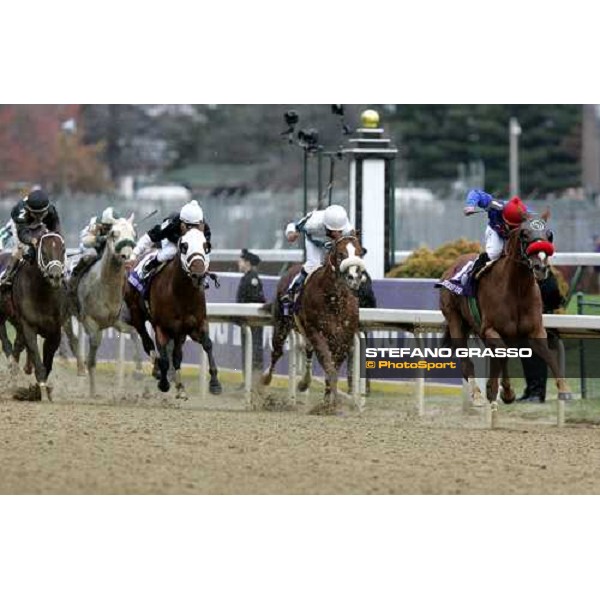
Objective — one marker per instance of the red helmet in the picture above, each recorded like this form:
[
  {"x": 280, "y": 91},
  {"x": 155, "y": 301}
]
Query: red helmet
[{"x": 514, "y": 212}]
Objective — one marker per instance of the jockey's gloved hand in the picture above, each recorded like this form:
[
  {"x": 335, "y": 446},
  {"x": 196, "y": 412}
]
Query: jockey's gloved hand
[{"x": 477, "y": 199}]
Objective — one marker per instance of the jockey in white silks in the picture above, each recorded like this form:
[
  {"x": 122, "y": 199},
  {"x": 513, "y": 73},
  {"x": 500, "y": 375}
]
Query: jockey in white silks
[
  {"x": 92, "y": 241},
  {"x": 318, "y": 227},
  {"x": 166, "y": 235}
]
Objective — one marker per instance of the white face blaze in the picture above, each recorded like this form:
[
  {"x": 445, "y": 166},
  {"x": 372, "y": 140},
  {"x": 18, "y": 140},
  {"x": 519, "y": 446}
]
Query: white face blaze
[
  {"x": 191, "y": 248},
  {"x": 352, "y": 267}
]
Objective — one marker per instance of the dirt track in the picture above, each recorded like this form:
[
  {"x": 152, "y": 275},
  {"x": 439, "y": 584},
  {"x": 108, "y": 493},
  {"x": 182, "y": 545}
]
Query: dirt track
[{"x": 142, "y": 444}]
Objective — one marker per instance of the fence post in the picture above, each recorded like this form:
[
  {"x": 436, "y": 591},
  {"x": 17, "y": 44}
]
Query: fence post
[
  {"x": 359, "y": 399},
  {"x": 248, "y": 365},
  {"x": 582, "y": 375},
  {"x": 202, "y": 373},
  {"x": 81, "y": 340},
  {"x": 120, "y": 360}
]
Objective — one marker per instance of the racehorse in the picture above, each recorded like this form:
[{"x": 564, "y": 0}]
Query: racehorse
[
  {"x": 176, "y": 308},
  {"x": 328, "y": 317},
  {"x": 37, "y": 305},
  {"x": 100, "y": 293},
  {"x": 510, "y": 306}
]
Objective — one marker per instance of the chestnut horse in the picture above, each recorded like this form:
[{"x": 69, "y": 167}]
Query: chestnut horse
[
  {"x": 510, "y": 304},
  {"x": 176, "y": 308},
  {"x": 37, "y": 306},
  {"x": 328, "y": 317}
]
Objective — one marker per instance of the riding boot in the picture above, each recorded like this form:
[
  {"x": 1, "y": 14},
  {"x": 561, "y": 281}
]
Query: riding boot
[
  {"x": 149, "y": 267},
  {"x": 6, "y": 280},
  {"x": 80, "y": 268},
  {"x": 287, "y": 301},
  {"x": 480, "y": 263}
]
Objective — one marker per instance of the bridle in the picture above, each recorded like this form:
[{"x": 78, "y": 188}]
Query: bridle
[
  {"x": 46, "y": 266},
  {"x": 345, "y": 263},
  {"x": 527, "y": 248},
  {"x": 192, "y": 258}
]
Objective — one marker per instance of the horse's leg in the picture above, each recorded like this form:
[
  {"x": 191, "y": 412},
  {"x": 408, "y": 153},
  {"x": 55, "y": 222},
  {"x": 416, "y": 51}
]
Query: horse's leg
[
  {"x": 7, "y": 347},
  {"x": 281, "y": 330},
  {"x": 51, "y": 345},
  {"x": 177, "y": 360},
  {"x": 507, "y": 394},
  {"x": 18, "y": 347},
  {"x": 539, "y": 344},
  {"x": 74, "y": 346},
  {"x": 458, "y": 333},
  {"x": 331, "y": 401},
  {"x": 214, "y": 387},
  {"x": 493, "y": 380},
  {"x": 493, "y": 340},
  {"x": 162, "y": 341},
  {"x": 30, "y": 339},
  {"x": 95, "y": 335},
  {"x": 305, "y": 382}
]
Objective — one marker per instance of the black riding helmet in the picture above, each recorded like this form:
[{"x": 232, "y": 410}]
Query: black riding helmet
[{"x": 37, "y": 201}]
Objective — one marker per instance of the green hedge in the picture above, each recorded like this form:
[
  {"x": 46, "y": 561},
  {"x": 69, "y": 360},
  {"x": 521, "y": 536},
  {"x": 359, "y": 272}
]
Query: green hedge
[{"x": 431, "y": 264}]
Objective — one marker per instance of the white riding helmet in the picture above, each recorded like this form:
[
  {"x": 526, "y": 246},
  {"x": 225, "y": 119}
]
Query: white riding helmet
[
  {"x": 192, "y": 213},
  {"x": 109, "y": 216},
  {"x": 335, "y": 218}
]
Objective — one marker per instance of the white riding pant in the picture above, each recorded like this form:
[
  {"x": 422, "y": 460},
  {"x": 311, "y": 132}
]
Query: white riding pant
[
  {"x": 494, "y": 244},
  {"x": 314, "y": 257}
]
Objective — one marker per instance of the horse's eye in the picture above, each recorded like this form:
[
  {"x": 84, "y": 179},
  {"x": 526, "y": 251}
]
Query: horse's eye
[{"x": 183, "y": 247}]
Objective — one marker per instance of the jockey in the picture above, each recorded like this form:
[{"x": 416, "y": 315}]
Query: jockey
[
  {"x": 92, "y": 241},
  {"x": 28, "y": 216},
  {"x": 503, "y": 217},
  {"x": 167, "y": 234},
  {"x": 318, "y": 227}
]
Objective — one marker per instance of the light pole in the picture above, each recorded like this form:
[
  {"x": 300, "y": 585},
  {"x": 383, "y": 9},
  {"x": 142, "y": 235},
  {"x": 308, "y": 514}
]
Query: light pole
[{"x": 514, "y": 131}]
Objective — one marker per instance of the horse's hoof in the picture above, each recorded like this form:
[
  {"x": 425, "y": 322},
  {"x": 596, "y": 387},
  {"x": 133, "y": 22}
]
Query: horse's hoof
[
  {"x": 508, "y": 399},
  {"x": 80, "y": 371},
  {"x": 566, "y": 396},
  {"x": 326, "y": 409},
  {"x": 164, "y": 386},
  {"x": 266, "y": 378},
  {"x": 215, "y": 388},
  {"x": 302, "y": 386}
]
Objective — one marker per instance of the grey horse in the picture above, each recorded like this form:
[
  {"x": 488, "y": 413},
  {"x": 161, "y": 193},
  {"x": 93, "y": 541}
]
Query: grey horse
[{"x": 100, "y": 294}]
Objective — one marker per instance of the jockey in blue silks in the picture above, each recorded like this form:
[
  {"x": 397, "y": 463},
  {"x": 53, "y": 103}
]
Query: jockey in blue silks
[{"x": 503, "y": 217}]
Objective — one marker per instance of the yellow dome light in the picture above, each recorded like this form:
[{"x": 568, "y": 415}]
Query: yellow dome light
[{"x": 370, "y": 119}]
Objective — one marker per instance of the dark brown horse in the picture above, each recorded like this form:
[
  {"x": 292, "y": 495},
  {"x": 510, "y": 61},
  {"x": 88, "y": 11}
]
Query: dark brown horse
[
  {"x": 328, "y": 317},
  {"x": 36, "y": 305},
  {"x": 510, "y": 304},
  {"x": 176, "y": 309}
]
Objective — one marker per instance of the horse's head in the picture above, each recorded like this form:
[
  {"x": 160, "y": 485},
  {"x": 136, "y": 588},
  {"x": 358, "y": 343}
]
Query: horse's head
[
  {"x": 345, "y": 258},
  {"x": 121, "y": 239},
  {"x": 50, "y": 257},
  {"x": 536, "y": 246},
  {"x": 192, "y": 254}
]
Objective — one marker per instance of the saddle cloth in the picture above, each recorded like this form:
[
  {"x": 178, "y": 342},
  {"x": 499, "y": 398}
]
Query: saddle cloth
[
  {"x": 460, "y": 282},
  {"x": 136, "y": 278}
]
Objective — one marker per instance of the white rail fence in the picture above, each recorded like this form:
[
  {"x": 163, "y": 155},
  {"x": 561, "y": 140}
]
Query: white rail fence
[{"x": 421, "y": 322}]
